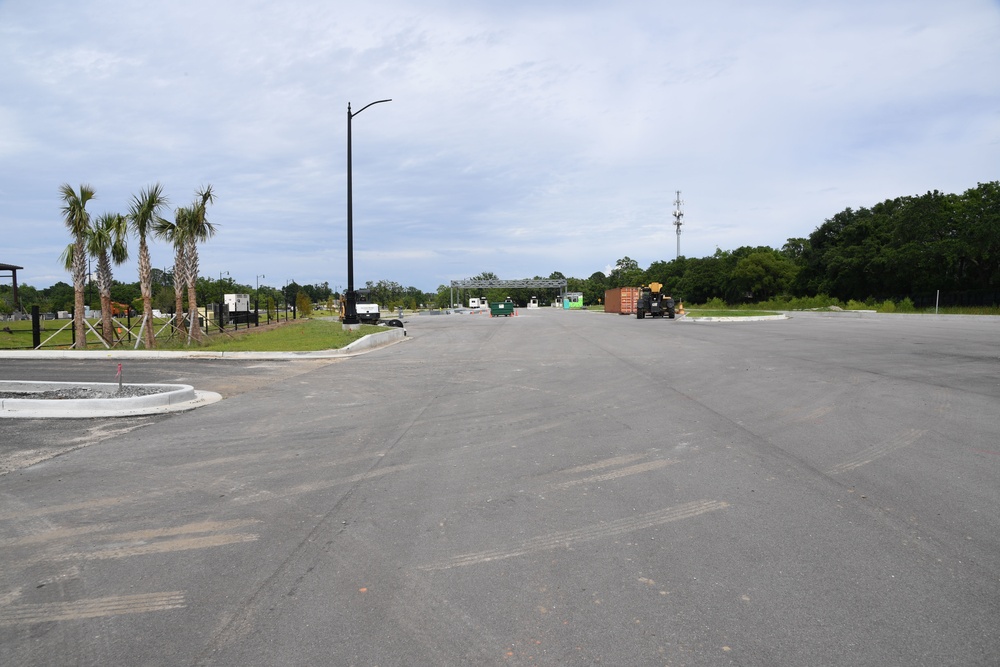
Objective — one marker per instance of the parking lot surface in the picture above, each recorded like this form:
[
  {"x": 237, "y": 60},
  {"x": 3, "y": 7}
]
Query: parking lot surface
[{"x": 551, "y": 488}]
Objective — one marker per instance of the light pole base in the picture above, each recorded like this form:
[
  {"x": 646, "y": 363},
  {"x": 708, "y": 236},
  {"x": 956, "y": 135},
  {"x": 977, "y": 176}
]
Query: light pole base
[{"x": 351, "y": 327}]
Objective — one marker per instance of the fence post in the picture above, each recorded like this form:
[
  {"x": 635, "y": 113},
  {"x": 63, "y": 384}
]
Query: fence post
[{"x": 36, "y": 328}]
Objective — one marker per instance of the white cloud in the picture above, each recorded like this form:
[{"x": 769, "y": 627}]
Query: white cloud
[{"x": 521, "y": 139}]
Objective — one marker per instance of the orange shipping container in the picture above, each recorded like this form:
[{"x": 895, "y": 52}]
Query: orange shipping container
[{"x": 621, "y": 300}]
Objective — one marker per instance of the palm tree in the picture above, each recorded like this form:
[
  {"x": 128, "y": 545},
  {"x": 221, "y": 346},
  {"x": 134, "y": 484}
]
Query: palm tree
[
  {"x": 143, "y": 215},
  {"x": 174, "y": 233},
  {"x": 77, "y": 220},
  {"x": 108, "y": 242},
  {"x": 198, "y": 230}
]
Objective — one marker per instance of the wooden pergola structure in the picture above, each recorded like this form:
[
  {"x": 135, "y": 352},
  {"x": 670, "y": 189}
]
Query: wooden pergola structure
[{"x": 12, "y": 270}]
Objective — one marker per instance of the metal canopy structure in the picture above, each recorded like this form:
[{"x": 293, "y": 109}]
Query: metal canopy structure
[
  {"x": 559, "y": 283},
  {"x": 511, "y": 284}
]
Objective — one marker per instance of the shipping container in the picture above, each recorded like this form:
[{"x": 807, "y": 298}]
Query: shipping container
[{"x": 621, "y": 300}]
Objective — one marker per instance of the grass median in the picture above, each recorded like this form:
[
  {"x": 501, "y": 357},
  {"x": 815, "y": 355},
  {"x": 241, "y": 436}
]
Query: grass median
[{"x": 303, "y": 335}]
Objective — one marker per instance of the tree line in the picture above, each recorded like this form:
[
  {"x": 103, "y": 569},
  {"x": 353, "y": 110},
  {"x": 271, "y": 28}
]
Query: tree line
[
  {"x": 902, "y": 248},
  {"x": 60, "y": 296}
]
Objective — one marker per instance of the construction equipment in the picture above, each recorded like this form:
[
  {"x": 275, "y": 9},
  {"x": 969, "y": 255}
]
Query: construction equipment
[{"x": 653, "y": 302}]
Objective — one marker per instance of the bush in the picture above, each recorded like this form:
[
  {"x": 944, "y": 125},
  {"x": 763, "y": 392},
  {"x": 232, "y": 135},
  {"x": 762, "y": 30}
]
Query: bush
[
  {"x": 715, "y": 303},
  {"x": 887, "y": 306},
  {"x": 906, "y": 306}
]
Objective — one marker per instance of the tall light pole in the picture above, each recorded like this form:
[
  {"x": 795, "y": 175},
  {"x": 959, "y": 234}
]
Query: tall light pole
[{"x": 351, "y": 320}]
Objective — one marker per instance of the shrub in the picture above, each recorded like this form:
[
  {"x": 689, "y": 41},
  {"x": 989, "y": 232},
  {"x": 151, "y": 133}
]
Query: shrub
[
  {"x": 906, "y": 306},
  {"x": 887, "y": 306}
]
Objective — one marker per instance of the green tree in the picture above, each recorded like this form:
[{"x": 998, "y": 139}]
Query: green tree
[
  {"x": 144, "y": 213},
  {"x": 763, "y": 274},
  {"x": 303, "y": 304},
  {"x": 594, "y": 288},
  {"x": 704, "y": 278},
  {"x": 77, "y": 220},
  {"x": 625, "y": 274}
]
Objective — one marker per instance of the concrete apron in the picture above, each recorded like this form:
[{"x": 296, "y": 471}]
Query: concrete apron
[{"x": 167, "y": 398}]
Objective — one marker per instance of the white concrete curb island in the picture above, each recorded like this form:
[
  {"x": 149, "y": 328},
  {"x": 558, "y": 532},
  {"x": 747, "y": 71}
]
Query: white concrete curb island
[
  {"x": 168, "y": 398},
  {"x": 172, "y": 398}
]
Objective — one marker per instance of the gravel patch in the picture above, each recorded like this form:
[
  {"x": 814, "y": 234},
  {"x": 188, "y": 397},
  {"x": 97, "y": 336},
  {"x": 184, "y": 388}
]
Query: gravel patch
[{"x": 127, "y": 391}]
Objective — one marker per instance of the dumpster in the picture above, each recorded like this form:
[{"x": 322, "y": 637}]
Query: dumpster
[{"x": 502, "y": 308}]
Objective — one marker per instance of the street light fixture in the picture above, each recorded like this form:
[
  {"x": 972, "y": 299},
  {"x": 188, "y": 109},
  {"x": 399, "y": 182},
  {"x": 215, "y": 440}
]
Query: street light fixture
[{"x": 351, "y": 320}]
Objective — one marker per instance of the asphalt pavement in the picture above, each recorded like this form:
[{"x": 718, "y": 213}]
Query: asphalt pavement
[{"x": 549, "y": 489}]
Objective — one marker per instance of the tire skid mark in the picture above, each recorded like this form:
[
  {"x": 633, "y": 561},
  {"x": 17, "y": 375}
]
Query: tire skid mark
[
  {"x": 199, "y": 527},
  {"x": 291, "y": 492},
  {"x": 866, "y": 456},
  {"x": 54, "y": 535},
  {"x": 623, "y": 472},
  {"x": 585, "y": 534},
  {"x": 142, "y": 542},
  {"x": 271, "y": 458},
  {"x": 166, "y": 546},
  {"x": 817, "y": 414},
  {"x": 22, "y": 614},
  {"x": 67, "y": 507},
  {"x": 606, "y": 463}
]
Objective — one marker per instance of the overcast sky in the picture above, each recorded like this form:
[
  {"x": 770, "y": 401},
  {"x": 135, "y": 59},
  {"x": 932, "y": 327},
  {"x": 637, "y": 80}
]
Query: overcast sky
[{"x": 522, "y": 137}]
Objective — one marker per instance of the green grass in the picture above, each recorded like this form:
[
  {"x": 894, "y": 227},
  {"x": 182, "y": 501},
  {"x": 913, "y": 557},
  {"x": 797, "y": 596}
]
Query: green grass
[
  {"x": 297, "y": 336},
  {"x": 294, "y": 336}
]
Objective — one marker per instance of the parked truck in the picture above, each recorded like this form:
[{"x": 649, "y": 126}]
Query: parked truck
[{"x": 653, "y": 302}]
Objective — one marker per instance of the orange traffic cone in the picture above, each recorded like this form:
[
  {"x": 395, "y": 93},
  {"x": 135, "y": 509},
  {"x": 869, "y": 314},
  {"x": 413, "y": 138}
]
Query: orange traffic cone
[{"x": 680, "y": 307}]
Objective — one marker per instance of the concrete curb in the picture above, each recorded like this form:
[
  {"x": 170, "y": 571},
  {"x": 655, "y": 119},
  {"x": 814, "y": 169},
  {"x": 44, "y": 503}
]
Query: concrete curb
[
  {"x": 360, "y": 346},
  {"x": 755, "y": 318},
  {"x": 172, "y": 398}
]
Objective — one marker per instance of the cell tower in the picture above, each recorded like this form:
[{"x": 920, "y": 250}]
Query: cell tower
[{"x": 678, "y": 215}]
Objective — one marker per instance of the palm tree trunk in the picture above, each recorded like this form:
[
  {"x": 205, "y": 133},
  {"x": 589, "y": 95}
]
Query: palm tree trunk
[
  {"x": 79, "y": 284},
  {"x": 191, "y": 256},
  {"x": 104, "y": 289},
  {"x": 145, "y": 281},
  {"x": 179, "y": 284}
]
